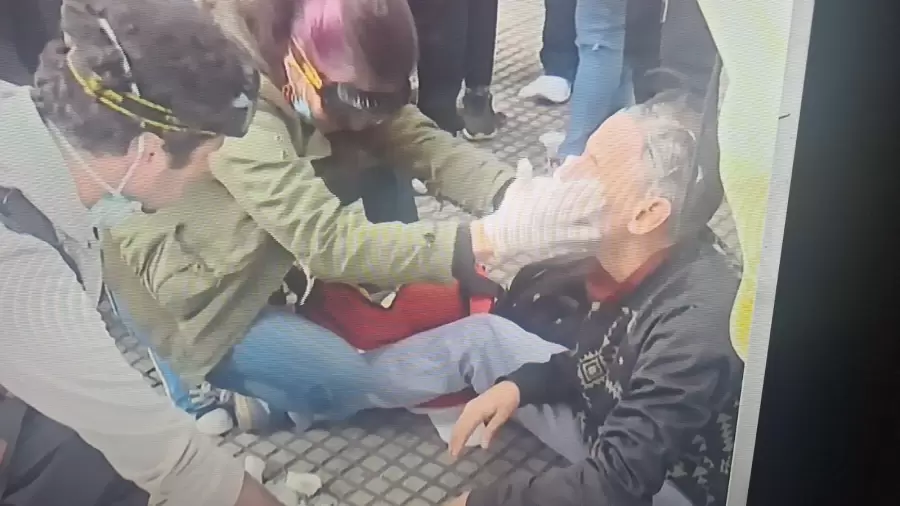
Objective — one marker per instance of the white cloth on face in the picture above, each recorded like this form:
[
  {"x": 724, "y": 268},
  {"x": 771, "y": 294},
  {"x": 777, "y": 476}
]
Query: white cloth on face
[{"x": 546, "y": 217}]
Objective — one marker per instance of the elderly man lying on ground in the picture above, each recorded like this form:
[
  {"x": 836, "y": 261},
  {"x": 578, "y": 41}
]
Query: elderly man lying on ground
[{"x": 620, "y": 360}]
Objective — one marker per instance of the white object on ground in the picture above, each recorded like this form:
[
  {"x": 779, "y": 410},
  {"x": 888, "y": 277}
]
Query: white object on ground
[
  {"x": 550, "y": 88},
  {"x": 444, "y": 419},
  {"x": 419, "y": 187},
  {"x": 255, "y": 467},
  {"x": 304, "y": 484},
  {"x": 292, "y": 490},
  {"x": 215, "y": 423},
  {"x": 524, "y": 169},
  {"x": 551, "y": 142}
]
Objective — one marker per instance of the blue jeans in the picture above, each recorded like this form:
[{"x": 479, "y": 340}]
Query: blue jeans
[
  {"x": 476, "y": 351},
  {"x": 290, "y": 363},
  {"x": 559, "y": 54},
  {"x": 603, "y": 82}
]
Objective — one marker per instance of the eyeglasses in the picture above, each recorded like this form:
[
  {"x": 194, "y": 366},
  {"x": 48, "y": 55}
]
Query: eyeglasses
[{"x": 346, "y": 100}]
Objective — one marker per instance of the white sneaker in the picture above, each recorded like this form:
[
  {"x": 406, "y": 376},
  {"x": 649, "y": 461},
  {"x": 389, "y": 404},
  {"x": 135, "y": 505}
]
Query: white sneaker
[
  {"x": 548, "y": 88},
  {"x": 215, "y": 423}
]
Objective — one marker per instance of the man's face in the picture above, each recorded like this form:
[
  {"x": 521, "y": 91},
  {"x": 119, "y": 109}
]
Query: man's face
[{"x": 613, "y": 155}]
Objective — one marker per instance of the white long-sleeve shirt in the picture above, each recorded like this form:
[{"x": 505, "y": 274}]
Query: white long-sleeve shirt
[{"x": 55, "y": 352}]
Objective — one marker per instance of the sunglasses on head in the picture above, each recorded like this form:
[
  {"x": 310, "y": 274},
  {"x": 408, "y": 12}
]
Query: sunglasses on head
[{"x": 346, "y": 100}]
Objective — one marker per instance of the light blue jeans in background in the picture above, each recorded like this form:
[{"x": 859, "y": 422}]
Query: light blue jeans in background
[{"x": 603, "y": 80}]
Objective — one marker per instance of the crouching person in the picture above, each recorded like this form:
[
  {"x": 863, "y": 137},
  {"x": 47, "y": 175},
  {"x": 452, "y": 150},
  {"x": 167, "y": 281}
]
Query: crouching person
[{"x": 620, "y": 360}]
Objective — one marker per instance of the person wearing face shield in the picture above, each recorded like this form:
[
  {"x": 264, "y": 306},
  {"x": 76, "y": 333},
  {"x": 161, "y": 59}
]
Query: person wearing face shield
[
  {"x": 124, "y": 113},
  {"x": 618, "y": 358}
]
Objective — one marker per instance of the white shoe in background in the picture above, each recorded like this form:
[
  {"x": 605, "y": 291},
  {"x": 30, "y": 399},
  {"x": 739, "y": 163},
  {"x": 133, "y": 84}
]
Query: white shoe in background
[{"x": 549, "y": 88}]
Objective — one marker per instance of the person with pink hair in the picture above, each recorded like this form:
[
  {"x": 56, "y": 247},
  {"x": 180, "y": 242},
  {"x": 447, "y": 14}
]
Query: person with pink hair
[{"x": 319, "y": 189}]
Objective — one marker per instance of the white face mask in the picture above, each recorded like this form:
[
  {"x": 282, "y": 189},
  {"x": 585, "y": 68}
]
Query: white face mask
[
  {"x": 113, "y": 207},
  {"x": 303, "y": 109}
]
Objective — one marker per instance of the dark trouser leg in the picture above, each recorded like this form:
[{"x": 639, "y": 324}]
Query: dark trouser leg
[
  {"x": 11, "y": 67},
  {"x": 36, "y": 23},
  {"x": 559, "y": 55},
  {"x": 52, "y": 466},
  {"x": 481, "y": 42},
  {"x": 442, "y": 27},
  {"x": 642, "y": 41}
]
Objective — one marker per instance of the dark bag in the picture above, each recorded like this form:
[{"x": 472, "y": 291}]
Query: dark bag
[{"x": 45, "y": 463}]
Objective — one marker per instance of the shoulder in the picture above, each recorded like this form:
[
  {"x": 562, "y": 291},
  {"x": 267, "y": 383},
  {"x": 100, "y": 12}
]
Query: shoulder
[
  {"x": 693, "y": 310},
  {"x": 268, "y": 138}
]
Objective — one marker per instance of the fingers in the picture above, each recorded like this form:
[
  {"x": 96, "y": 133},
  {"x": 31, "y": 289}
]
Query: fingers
[
  {"x": 470, "y": 419},
  {"x": 493, "y": 425}
]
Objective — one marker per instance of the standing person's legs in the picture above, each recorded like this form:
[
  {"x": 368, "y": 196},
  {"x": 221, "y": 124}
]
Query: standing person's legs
[
  {"x": 441, "y": 27},
  {"x": 600, "y": 29},
  {"x": 479, "y": 117},
  {"x": 559, "y": 54},
  {"x": 481, "y": 43}
]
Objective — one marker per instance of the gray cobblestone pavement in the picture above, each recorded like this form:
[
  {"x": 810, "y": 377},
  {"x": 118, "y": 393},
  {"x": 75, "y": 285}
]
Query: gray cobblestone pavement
[{"x": 395, "y": 458}]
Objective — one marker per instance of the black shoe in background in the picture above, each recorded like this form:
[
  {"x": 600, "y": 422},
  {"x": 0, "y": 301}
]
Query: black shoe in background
[{"x": 480, "y": 121}]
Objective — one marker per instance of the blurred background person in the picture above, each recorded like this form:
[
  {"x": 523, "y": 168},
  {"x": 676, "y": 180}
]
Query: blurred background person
[{"x": 457, "y": 39}]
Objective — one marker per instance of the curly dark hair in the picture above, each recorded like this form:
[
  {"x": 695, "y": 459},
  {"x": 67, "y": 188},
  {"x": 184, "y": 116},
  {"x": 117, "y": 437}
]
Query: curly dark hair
[{"x": 179, "y": 58}]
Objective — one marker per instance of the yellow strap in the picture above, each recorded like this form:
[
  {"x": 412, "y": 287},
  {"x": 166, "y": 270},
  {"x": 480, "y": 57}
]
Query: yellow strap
[{"x": 113, "y": 100}]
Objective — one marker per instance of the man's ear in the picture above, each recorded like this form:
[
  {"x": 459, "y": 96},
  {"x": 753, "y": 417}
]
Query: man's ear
[{"x": 651, "y": 215}]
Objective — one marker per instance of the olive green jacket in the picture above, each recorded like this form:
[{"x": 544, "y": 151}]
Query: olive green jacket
[{"x": 195, "y": 275}]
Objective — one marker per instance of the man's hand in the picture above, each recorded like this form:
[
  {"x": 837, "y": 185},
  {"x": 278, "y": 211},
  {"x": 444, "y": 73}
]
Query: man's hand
[
  {"x": 459, "y": 501},
  {"x": 492, "y": 408}
]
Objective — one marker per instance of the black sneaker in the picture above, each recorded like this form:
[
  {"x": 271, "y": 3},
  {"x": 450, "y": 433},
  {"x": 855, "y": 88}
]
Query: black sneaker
[{"x": 480, "y": 120}]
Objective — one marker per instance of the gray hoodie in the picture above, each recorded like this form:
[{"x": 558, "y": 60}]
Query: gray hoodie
[{"x": 55, "y": 352}]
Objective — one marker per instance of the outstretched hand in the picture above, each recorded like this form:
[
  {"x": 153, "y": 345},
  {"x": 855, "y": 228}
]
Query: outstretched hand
[{"x": 493, "y": 409}]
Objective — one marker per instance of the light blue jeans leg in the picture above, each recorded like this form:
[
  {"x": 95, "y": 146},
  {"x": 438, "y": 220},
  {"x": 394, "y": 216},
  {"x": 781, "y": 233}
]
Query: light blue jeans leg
[
  {"x": 596, "y": 93},
  {"x": 476, "y": 351},
  {"x": 298, "y": 367}
]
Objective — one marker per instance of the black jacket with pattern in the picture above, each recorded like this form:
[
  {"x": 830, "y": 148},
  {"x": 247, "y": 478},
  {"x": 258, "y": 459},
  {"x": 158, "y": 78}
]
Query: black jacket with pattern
[{"x": 652, "y": 377}]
